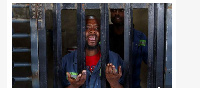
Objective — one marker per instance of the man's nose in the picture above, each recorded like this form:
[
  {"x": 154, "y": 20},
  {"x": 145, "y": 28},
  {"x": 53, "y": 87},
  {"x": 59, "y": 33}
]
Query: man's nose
[{"x": 92, "y": 31}]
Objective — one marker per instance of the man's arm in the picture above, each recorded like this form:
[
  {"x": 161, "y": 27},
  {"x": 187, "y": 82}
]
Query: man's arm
[
  {"x": 112, "y": 76},
  {"x": 145, "y": 50}
]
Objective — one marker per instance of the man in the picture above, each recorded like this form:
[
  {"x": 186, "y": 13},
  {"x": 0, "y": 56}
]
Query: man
[
  {"x": 139, "y": 50},
  {"x": 92, "y": 75}
]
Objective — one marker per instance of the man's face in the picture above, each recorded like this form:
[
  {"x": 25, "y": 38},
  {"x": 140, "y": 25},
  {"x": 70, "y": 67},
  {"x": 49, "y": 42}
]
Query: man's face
[
  {"x": 92, "y": 34},
  {"x": 117, "y": 16}
]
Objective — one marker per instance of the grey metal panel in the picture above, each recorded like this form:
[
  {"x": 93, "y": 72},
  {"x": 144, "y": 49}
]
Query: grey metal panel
[
  {"x": 21, "y": 64},
  {"x": 168, "y": 58},
  {"x": 92, "y": 6},
  {"x": 104, "y": 42},
  {"x": 150, "y": 45},
  {"x": 139, "y": 5},
  {"x": 57, "y": 43},
  {"x": 128, "y": 32},
  {"x": 81, "y": 39},
  {"x": 159, "y": 26},
  {"x": 34, "y": 48},
  {"x": 20, "y": 20},
  {"x": 20, "y": 6},
  {"x": 22, "y": 78},
  {"x": 20, "y": 49},
  {"x": 69, "y": 6},
  {"x": 48, "y": 6},
  {"x": 20, "y": 35},
  {"x": 42, "y": 47},
  {"x": 116, "y": 5}
]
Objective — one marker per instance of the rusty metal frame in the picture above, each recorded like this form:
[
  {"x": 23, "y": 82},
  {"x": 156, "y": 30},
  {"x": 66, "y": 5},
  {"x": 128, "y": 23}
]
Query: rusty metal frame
[
  {"x": 159, "y": 27},
  {"x": 104, "y": 41},
  {"x": 42, "y": 46},
  {"x": 150, "y": 46},
  {"x": 34, "y": 46},
  {"x": 57, "y": 43},
  {"x": 81, "y": 38},
  {"x": 128, "y": 33},
  {"x": 168, "y": 46}
]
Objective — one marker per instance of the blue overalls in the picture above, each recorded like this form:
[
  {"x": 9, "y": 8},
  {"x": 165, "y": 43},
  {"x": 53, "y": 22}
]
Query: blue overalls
[
  {"x": 93, "y": 80},
  {"x": 140, "y": 52}
]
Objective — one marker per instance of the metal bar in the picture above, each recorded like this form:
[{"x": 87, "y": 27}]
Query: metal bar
[
  {"x": 49, "y": 6},
  {"x": 92, "y": 6},
  {"x": 104, "y": 41},
  {"x": 81, "y": 38},
  {"x": 168, "y": 58},
  {"x": 139, "y": 5},
  {"x": 20, "y": 35},
  {"x": 22, "y": 64},
  {"x": 34, "y": 48},
  {"x": 150, "y": 45},
  {"x": 57, "y": 43},
  {"x": 15, "y": 50},
  {"x": 69, "y": 5},
  {"x": 116, "y": 5},
  {"x": 159, "y": 22},
  {"x": 22, "y": 78},
  {"x": 42, "y": 47},
  {"x": 128, "y": 21},
  {"x": 20, "y": 6},
  {"x": 20, "y": 20}
]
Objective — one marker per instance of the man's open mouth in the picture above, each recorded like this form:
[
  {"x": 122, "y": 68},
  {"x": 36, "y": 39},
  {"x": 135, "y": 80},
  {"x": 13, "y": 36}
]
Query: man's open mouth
[{"x": 92, "y": 38}]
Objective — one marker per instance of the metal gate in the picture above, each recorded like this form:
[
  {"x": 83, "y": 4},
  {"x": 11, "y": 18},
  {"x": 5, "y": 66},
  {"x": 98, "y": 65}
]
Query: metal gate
[{"x": 156, "y": 40}]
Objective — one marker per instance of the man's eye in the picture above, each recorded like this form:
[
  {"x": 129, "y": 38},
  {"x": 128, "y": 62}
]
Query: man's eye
[
  {"x": 96, "y": 28},
  {"x": 113, "y": 10},
  {"x": 87, "y": 28}
]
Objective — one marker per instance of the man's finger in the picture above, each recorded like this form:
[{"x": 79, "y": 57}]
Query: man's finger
[
  {"x": 113, "y": 69},
  {"x": 78, "y": 77},
  {"x": 83, "y": 75},
  {"x": 69, "y": 77},
  {"x": 107, "y": 68},
  {"x": 120, "y": 71},
  {"x": 110, "y": 69}
]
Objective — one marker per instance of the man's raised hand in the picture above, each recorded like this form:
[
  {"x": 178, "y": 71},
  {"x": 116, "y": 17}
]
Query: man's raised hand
[
  {"x": 76, "y": 83},
  {"x": 113, "y": 76}
]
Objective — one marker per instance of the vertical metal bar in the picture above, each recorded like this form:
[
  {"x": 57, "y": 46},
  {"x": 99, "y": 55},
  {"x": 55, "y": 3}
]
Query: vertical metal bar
[
  {"x": 150, "y": 45},
  {"x": 81, "y": 38},
  {"x": 57, "y": 43},
  {"x": 42, "y": 47},
  {"x": 128, "y": 43},
  {"x": 168, "y": 58},
  {"x": 159, "y": 22},
  {"x": 34, "y": 47},
  {"x": 104, "y": 41}
]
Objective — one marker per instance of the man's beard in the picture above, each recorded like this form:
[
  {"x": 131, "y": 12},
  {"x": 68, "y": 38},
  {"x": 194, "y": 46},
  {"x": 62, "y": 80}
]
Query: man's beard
[{"x": 91, "y": 47}]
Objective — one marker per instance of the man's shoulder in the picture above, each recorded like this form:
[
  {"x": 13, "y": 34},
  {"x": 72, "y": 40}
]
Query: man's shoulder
[
  {"x": 113, "y": 54},
  {"x": 70, "y": 55},
  {"x": 139, "y": 34}
]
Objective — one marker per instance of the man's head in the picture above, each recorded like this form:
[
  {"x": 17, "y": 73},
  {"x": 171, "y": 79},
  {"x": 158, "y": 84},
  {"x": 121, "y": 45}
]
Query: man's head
[
  {"x": 92, "y": 32},
  {"x": 117, "y": 16}
]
